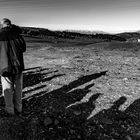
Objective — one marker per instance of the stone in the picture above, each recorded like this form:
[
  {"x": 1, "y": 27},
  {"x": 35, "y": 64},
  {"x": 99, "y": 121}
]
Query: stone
[{"x": 48, "y": 121}]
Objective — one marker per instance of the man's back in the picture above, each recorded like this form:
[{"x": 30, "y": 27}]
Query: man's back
[{"x": 12, "y": 45}]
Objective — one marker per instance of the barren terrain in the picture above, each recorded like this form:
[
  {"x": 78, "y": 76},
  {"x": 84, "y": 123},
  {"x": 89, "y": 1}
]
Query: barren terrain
[{"x": 78, "y": 91}]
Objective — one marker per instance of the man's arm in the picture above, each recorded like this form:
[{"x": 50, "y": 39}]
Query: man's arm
[{"x": 23, "y": 44}]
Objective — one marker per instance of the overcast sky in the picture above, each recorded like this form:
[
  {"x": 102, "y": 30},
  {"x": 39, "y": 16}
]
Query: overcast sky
[{"x": 103, "y": 15}]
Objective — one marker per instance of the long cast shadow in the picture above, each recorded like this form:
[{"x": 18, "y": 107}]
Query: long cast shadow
[
  {"x": 32, "y": 68},
  {"x": 116, "y": 124},
  {"x": 54, "y": 104},
  {"x": 40, "y": 106},
  {"x": 134, "y": 111},
  {"x": 85, "y": 108},
  {"x": 32, "y": 78},
  {"x": 60, "y": 98},
  {"x": 108, "y": 123},
  {"x": 113, "y": 112}
]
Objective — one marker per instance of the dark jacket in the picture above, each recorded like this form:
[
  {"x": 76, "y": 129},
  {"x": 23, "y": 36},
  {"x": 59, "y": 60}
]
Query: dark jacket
[{"x": 12, "y": 46}]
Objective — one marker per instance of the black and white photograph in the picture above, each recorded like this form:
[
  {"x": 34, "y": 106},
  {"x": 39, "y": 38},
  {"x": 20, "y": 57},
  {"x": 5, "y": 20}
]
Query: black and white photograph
[{"x": 69, "y": 69}]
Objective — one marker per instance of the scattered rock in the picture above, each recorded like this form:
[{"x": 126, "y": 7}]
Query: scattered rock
[
  {"x": 78, "y": 137},
  {"x": 134, "y": 137},
  {"x": 128, "y": 137},
  {"x": 48, "y": 121},
  {"x": 56, "y": 122},
  {"x": 107, "y": 121},
  {"x": 77, "y": 112}
]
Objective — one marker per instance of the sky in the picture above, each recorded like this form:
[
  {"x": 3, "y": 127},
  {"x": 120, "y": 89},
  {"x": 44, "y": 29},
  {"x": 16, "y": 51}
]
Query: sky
[{"x": 94, "y": 15}]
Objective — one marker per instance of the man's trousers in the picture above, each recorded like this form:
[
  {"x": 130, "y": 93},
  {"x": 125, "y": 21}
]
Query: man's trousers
[{"x": 12, "y": 92}]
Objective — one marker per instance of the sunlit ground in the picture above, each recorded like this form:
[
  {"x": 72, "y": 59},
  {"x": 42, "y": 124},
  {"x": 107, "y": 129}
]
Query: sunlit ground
[{"x": 120, "y": 61}]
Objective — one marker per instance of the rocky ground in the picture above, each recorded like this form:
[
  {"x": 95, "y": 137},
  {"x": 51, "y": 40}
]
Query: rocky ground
[{"x": 81, "y": 92}]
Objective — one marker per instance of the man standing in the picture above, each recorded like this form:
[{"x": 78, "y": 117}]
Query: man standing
[{"x": 12, "y": 46}]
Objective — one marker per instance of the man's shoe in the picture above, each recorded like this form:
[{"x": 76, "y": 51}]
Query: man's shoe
[
  {"x": 10, "y": 112},
  {"x": 5, "y": 113}
]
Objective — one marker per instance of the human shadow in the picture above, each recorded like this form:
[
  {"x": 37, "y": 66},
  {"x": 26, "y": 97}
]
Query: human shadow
[
  {"x": 134, "y": 109},
  {"x": 65, "y": 122},
  {"x": 109, "y": 123},
  {"x": 62, "y": 97},
  {"x": 33, "y": 68},
  {"x": 116, "y": 124},
  {"x": 31, "y": 78},
  {"x": 77, "y": 95},
  {"x": 53, "y": 105},
  {"x": 84, "y": 108},
  {"x": 113, "y": 112}
]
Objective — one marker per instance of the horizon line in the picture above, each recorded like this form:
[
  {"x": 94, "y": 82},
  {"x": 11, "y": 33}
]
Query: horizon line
[{"x": 86, "y": 30}]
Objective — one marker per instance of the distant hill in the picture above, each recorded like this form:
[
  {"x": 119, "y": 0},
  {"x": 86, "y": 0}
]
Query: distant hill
[
  {"x": 45, "y": 33},
  {"x": 129, "y": 35},
  {"x": 87, "y": 32}
]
